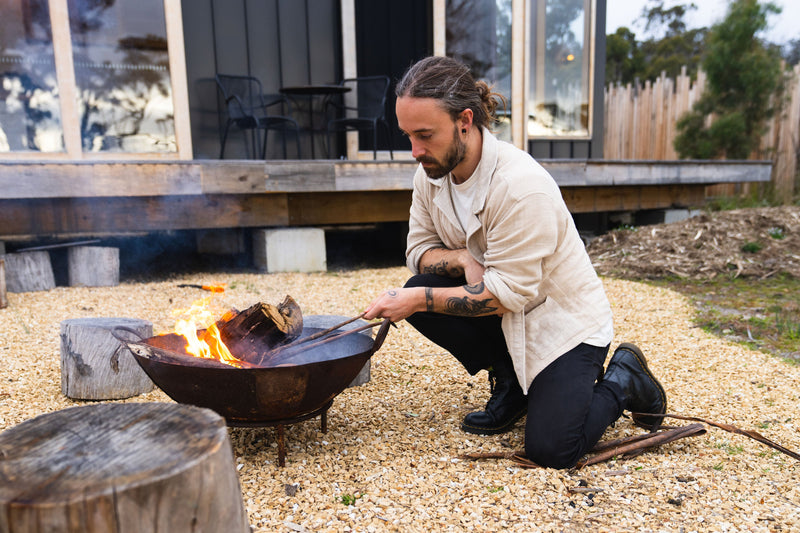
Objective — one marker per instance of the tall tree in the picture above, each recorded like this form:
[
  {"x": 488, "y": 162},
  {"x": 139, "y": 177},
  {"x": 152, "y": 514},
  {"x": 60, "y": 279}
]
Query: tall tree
[
  {"x": 624, "y": 59},
  {"x": 743, "y": 75},
  {"x": 792, "y": 52},
  {"x": 671, "y": 45}
]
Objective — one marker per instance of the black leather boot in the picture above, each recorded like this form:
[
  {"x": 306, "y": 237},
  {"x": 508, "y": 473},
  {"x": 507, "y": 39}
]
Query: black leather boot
[
  {"x": 643, "y": 393},
  {"x": 507, "y": 404}
]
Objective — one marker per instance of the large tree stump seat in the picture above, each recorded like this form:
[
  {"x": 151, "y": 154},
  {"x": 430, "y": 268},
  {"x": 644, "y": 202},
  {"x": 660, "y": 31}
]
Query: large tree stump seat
[
  {"x": 97, "y": 366},
  {"x": 120, "y": 468},
  {"x": 93, "y": 266},
  {"x": 29, "y": 271}
]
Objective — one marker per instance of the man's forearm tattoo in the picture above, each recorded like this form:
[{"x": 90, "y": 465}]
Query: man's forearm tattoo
[
  {"x": 443, "y": 268},
  {"x": 467, "y": 306},
  {"x": 429, "y": 298},
  {"x": 474, "y": 289}
]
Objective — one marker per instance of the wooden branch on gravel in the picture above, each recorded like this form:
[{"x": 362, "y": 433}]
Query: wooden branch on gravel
[
  {"x": 625, "y": 447},
  {"x": 636, "y": 445},
  {"x": 755, "y": 435},
  {"x": 631, "y": 446}
]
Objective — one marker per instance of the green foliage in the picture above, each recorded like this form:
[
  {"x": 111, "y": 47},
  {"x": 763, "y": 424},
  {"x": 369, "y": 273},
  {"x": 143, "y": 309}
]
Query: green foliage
[
  {"x": 350, "y": 499},
  {"x": 671, "y": 46},
  {"x": 752, "y": 247},
  {"x": 791, "y": 52},
  {"x": 762, "y": 314},
  {"x": 624, "y": 60},
  {"x": 743, "y": 75}
]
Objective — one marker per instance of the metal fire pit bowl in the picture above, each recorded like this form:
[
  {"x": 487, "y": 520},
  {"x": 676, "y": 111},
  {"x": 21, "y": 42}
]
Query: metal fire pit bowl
[{"x": 302, "y": 387}]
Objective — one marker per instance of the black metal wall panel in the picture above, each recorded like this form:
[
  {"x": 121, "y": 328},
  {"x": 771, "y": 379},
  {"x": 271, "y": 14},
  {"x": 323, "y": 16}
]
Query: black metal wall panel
[
  {"x": 198, "y": 28},
  {"x": 230, "y": 36},
  {"x": 324, "y": 35},
  {"x": 390, "y": 36},
  {"x": 599, "y": 80},
  {"x": 294, "y": 42},
  {"x": 263, "y": 37}
]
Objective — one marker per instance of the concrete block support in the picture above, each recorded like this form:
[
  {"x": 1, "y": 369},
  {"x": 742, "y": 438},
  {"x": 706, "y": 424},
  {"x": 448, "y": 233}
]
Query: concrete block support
[{"x": 290, "y": 250}]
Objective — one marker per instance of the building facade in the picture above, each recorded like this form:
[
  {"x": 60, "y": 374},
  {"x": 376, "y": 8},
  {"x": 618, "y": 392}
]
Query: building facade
[{"x": 134, "y": 79}]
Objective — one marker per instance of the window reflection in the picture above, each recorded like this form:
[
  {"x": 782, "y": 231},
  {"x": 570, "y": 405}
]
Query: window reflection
[
  {"x": 122, "y": 75},
  {"x": 478, "y": 33},
  {"x": 30, "y": 118},
  {"x": 560, "y": 60}
]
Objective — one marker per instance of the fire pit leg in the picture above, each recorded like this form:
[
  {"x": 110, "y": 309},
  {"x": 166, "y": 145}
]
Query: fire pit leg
[
  {"x": 324, "y": 421},
  {"x": 281, "y": 445}
]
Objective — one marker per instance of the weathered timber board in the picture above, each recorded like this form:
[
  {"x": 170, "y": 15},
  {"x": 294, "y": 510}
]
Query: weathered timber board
[
  {"x": 115, "y": 215},
  {"x": 93, "y": 179},
  {"x": 348, "y": 207}
]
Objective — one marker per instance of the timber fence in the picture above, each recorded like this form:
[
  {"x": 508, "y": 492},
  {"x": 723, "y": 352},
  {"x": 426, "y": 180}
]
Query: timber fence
[{"x": 641, "y": 123}]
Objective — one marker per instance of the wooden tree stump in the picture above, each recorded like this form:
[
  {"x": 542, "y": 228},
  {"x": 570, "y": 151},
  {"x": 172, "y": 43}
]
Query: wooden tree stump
[
  {"x": 3, "y": 295},
  {"x": 93, "y": 266},
  {"x": 29, "y": 271},
  {"x": 95, "y": 365},
  {"x": 120, "y": 468}
]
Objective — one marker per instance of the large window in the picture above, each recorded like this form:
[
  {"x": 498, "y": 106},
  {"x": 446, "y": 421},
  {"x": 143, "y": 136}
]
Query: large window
[
  {"x": 30, "y": 115},
  {"x": 560, "y": 68},
  {"x": 113, "y": 68},
  {"x": 478, "y": 32}
]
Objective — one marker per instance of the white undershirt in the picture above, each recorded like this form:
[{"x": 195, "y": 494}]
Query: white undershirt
[{"x": 462, "y": 196}]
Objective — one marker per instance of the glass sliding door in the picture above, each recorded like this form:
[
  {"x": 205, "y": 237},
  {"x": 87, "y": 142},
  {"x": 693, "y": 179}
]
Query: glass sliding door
[
  {"x": 560, "y": 68},
  {"x": 122, "y": 75},
  {"x": 30, "y": 116}
]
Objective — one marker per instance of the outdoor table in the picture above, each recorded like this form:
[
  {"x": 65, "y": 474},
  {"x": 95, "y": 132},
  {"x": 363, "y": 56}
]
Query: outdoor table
[{"x": 319, "y": 93}]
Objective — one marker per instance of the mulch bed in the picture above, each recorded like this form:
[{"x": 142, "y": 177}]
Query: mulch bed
[{"x": 758, "y": 243}]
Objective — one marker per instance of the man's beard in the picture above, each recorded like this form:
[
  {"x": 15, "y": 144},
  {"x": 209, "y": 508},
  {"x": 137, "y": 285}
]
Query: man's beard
[{"x": 455, "y": 155}]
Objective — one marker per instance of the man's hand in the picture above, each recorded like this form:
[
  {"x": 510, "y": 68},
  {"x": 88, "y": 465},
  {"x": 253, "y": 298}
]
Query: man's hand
[
  {"x": 473, "y": 270},
  {"x": 397, "y": 304}
]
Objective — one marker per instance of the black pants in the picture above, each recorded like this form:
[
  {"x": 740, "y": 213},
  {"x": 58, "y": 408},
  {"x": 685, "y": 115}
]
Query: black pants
[{"x": 567, "y": 410}]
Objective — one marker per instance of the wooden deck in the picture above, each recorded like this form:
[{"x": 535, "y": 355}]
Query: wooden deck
[{"x": 54, "y": 199}]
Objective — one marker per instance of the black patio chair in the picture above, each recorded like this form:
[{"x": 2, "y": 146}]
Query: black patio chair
[
  {"x": 247, "y": 107},
  {"x": 370, "y": 110}
]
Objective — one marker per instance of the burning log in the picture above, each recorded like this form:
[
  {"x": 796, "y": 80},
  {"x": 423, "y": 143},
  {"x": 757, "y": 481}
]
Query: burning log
[
  {"x": 260, "y": 328},
  {"x": 144, "y": 467}
]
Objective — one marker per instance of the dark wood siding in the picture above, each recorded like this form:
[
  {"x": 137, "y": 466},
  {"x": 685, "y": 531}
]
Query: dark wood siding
[
  {"x": 281, "y": 42},
  {"x": 390, "y": 36}
]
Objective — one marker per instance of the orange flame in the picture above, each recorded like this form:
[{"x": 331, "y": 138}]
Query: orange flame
[
  {"x": 210, "y": 346},
  {"x": 215, "y": 288}
]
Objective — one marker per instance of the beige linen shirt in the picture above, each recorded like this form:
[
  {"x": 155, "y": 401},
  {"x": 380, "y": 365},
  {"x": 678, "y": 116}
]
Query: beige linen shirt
[{"x": 522, "y": 233}]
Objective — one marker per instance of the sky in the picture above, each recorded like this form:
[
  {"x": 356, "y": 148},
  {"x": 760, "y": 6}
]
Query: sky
[{"x": 782, "y": 28}]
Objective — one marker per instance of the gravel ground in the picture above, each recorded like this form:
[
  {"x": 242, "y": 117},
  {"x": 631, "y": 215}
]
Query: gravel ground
[{"x": 390, "y": 459}]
